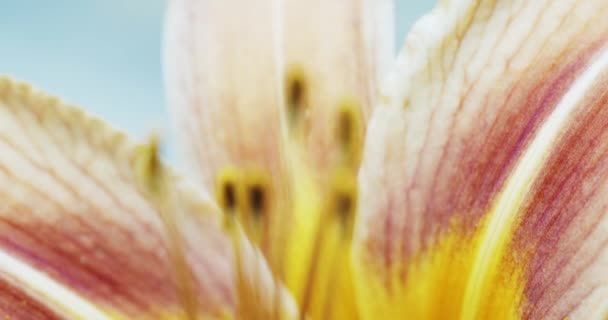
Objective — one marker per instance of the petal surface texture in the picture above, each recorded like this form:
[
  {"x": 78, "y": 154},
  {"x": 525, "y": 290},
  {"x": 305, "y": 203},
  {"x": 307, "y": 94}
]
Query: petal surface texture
[
  {"x": 259, "y": 86},
  {"x": 229, "y": 66},
  {"x": 85, "y": 236},
  {"x": 483, "y": 182}
]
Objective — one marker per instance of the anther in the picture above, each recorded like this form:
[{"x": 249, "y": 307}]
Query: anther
[
  {"x": 344, "y": 207},
  {"x": 227, "y": 194},
  {"x": 257, "y": 200},
  {"x": 148, "y": 166},
  {"x": 329, "y": 256},
  {"x": 343, "y": 201},
  {"x": 349, "y": 133},
  {"x": 256, "y": 211},
  {"x": 156, "y": 181},
  {"x": 296, "y": 96}
]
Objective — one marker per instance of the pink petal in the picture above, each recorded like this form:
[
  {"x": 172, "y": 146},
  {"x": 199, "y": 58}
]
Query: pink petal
[
  {"x": 17, "y": 304},
  {"x": 477, "y": 81},
  {"x": 226, "y": 64},
  {"x": 76, "y": 226}
]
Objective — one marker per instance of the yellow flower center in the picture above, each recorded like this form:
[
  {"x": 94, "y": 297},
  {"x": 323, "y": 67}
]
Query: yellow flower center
[{"x": 303, "y": 227}]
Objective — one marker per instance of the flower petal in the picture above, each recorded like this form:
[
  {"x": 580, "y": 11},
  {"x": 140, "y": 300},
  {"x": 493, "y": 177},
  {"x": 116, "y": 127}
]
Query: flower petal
[
  {"x": 261, "y": 87},
  {"x": 222, "y": 85},
  {"x": 226, "y": 64},
  {"x": 17, "y": 304},
  {"x": 493, "y": 117},
  {"x": 82, "y": 236}
]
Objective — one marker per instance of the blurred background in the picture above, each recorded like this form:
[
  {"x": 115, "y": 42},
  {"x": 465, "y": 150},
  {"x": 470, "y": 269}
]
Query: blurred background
[{"x": 104, "y": 55}]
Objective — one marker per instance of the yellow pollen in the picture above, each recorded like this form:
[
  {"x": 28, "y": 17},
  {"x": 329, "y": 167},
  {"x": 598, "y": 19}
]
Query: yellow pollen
[
  {"x": 231, "y": 196},
  {"x": 309, "y": 251},
  {"x": 304, "y": 228}
]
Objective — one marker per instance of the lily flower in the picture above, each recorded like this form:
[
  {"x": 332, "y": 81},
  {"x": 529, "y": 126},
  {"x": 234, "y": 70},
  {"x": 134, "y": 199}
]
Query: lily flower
[{"x": 326, "y": 180}]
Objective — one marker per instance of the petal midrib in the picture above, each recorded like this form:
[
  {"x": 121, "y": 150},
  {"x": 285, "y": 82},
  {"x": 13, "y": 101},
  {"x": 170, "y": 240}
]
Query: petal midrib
[
  {"x": 54, "y": 294},
  {"x": 503, "y": 213}
]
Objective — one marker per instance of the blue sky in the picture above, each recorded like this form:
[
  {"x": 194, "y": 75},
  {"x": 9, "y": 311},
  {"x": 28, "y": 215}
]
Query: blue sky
[{"x": 104, "y": 55}]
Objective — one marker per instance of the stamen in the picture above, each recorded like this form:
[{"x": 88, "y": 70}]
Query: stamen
[
  {"x": 227, "y": 194},
  {"x": 148, "y": 166},
  {"x": 312, "y": 275},
  {"x": 329, "y": 269},
  {"x": 257, "y": 200},
  {"x": 244, "y": 197},
  {"x": 154, "y": 180},
  {"x": 296, "y": 95},
  {"x": 258, "y": 208},
  {"x": 349, "y": 133},
  {"x": 343, "y": 202}
]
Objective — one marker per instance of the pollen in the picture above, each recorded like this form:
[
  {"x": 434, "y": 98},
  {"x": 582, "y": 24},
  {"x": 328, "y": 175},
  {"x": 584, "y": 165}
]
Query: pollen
[
  {"x": 304, "y": 227},
  {"x": 257, "y": 207},
  {"x": 296, "y": 98},
  {"x": 226, "y": 194},
  {"x": 343, "y": 200},
  {"x": 154, "y": 179},
  {"x": 349, "y": 133}
]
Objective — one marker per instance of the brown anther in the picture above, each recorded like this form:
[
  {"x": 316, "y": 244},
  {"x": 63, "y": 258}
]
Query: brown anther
[
  {"x": 344, "y": 207},
  {"x": 257, "y": 200},
  {"x": 257, "y": 206},
  {"x": 349, "y": 133},
  {"x": 343, "y": 201},
  {"x": 296, "y": 95},
  {"x": 227, "y": 194}
]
